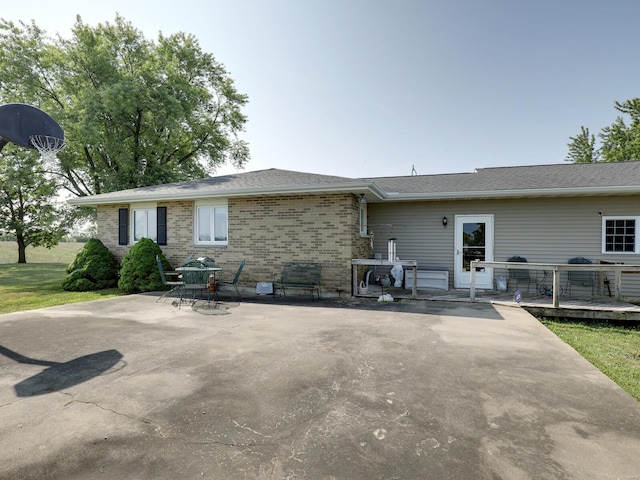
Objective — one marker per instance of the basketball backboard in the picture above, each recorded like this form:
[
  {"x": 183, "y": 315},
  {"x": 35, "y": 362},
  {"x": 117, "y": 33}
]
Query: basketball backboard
[{"x": 20, "y": 122}]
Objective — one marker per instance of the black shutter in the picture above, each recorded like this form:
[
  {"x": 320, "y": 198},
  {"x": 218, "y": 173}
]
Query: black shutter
[
  {"x": 161, "y": 218},
  {"x": 123, "y": 226}
]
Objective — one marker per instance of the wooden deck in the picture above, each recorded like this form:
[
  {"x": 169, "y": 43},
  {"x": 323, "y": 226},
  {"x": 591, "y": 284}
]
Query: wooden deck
[{"x": 600, "y": 308}]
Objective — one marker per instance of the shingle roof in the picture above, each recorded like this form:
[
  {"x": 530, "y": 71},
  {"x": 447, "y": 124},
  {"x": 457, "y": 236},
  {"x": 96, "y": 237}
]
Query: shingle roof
[
  {"x": 499, "y": 182},
  {"x": 536, "y": 177},
  {"x": 262, "y": 182}
]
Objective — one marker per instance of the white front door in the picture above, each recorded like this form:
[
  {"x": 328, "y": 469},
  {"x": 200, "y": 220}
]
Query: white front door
[{"x": 473, "y": 241}]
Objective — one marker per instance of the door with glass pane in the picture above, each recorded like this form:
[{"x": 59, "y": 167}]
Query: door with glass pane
[{"x": 473, "y": 241}]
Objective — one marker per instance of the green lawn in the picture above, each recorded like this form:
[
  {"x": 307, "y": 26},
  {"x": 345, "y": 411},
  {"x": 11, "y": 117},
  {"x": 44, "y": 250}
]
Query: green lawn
[
  {"x": 613, "y": 349},
  {"x": 39, "y": 284}
]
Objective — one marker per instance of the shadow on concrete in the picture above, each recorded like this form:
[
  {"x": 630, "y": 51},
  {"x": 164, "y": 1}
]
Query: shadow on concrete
[
  {"x": 431, "y": 307},
  {"x": 59, "y": 376}
]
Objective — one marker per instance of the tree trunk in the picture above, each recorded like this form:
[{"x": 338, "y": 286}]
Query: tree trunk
[{"x": 22, "y": 247}]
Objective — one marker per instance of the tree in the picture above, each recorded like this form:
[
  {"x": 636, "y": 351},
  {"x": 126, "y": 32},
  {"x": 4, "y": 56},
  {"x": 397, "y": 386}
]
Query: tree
[
  {"x": 135, "y": 112},
  {"x": 619, "y": 142},
  {"x": 27, "y": 202},
  {"x": 582, "y": 148}
]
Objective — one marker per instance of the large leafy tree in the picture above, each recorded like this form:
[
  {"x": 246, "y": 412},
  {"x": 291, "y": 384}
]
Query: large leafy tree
[
  {"x": 619, "y": 142},
  {"x": 136, "y": 112},
  {"x": 28, "y": 208}
]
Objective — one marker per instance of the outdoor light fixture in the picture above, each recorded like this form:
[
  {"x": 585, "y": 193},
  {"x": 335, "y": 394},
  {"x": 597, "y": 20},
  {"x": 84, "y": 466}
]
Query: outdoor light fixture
[
  {"x": 362, "y": 199},
  {"x": 444, "y": 222}
]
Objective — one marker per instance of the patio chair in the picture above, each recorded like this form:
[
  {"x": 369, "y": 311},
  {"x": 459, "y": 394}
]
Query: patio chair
[
  {"x": 519, "y": 275},
  {"x": 582, "y": 278},
  {"x": 195, "y": 277},
  {"x": 234, "y": 282},
  {"x": 175, "y": 285}
]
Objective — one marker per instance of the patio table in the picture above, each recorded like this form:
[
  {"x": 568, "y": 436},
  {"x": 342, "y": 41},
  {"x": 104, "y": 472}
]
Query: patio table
[{"x": 199, "y": 277}]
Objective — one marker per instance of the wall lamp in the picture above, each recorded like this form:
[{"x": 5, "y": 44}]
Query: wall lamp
[{"x": 444, "y": 222}]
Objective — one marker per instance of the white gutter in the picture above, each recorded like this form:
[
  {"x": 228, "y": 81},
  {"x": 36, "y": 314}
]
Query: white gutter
[{"x": 497, "y": 194}]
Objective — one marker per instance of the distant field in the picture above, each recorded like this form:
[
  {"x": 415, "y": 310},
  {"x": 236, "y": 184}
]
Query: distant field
[{"x": 64, "y": 253}]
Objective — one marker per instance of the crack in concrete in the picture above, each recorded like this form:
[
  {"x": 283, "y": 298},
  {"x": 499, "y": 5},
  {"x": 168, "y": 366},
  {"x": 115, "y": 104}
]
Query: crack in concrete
[
  {"x": 12, "y": 403},
  {"x": 158, "y": 429},
  {"x": 73, "y": 400}
]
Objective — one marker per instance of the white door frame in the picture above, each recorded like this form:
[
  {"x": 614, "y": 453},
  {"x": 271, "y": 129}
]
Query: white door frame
[{"x": 484, "y": 276}]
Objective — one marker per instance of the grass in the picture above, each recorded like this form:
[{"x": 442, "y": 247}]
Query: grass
[
  {"x": 613, "y": 349},
  {"x": 64, "y": 252},
  {"x": 39, "y": 284}
]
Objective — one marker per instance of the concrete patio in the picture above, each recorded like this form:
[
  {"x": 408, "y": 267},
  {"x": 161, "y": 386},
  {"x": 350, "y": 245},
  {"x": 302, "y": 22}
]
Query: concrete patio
[{"x": 331, "y": 389}]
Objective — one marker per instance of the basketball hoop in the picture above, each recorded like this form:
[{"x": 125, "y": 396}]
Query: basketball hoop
[{"x": 47, "y": 146}]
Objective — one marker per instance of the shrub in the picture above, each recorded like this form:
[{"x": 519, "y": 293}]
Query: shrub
[
  {"x": 94, "y": 268},
  {"x": 139, "y": 272}
]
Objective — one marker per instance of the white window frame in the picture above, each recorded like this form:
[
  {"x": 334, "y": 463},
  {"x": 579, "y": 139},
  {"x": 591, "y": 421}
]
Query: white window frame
[
  {"x": 362, "y": 220},
  {"x": 636, "y": 245},
  {"x": 222, "y": 205},
  {"x": 151, "y": 211}
]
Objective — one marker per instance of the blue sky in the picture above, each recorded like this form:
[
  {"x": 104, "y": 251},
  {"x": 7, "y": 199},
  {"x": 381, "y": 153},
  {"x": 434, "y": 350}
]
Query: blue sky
[{"x": 373, "y": 88}]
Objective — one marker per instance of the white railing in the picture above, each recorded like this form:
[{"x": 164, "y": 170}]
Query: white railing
[{"x": 556, "y": 268}]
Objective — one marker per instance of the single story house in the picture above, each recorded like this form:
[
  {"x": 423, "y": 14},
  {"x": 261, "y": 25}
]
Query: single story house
[{"x": 545, "y": 213}]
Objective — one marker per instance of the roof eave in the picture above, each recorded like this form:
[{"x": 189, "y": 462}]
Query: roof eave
[
  {"x": 498, "y": 194},
  {"x": 369, "y": 189}
]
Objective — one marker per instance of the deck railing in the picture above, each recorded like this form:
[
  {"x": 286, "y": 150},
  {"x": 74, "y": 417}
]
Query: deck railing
[{"x": 556, "y": 268}]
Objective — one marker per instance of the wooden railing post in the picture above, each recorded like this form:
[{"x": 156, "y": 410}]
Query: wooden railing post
[
  {"x": 472, "y": 286},
  {"x": 556, "y": 287}
]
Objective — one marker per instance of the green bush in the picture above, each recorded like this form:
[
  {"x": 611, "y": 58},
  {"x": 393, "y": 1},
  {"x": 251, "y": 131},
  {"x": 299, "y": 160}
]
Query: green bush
[
  {"x": 139, "y": 272},
  {"x": 94, "y": 268}
]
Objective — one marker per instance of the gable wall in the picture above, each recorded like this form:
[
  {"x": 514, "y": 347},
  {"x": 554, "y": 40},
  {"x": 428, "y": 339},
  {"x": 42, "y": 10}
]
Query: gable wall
[
  {"x": 267, "y": 232},
  {"x": 541, "y": 230}
]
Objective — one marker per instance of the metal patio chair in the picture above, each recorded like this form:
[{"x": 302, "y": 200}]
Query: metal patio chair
[
  {"x": 583, "y": 278},
  {"x": 519, "y": 275},
  {"x": 176, "y": 285},
  {"x": 195, "y": 277},
  {"x": 234, "y": 282}
]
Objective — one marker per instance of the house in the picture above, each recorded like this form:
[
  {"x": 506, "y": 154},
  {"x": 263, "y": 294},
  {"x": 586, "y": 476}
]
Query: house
[{"x": 545, "y": 213}]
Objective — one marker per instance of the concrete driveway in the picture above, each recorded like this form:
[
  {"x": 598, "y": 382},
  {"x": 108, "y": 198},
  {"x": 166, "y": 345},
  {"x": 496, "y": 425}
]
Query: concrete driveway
[{"x": 129, "y": 389}]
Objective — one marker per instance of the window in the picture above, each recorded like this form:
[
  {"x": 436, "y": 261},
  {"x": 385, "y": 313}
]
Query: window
[
  {"x": 144, "y": 223},
  {"x": 211, "y": 224},
  {"x": 619, "y": 235}
]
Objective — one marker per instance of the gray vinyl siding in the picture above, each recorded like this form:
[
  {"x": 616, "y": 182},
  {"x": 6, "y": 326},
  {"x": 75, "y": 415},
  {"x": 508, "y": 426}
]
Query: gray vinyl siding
[{"x": 541, "y": 230}]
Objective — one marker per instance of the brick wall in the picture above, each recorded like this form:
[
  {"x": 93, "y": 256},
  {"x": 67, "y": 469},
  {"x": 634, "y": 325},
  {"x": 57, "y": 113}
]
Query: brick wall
[
  {"x": 267, "y": 232},
  {"x": 108, "y": 229}
]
